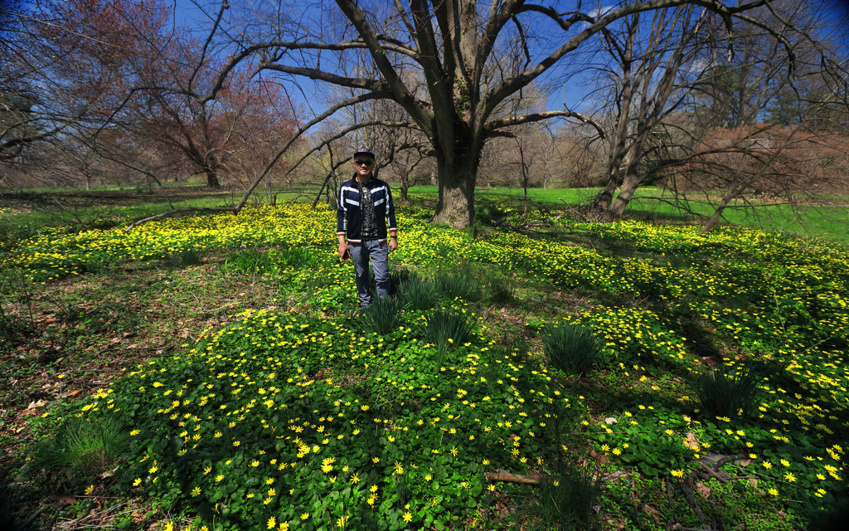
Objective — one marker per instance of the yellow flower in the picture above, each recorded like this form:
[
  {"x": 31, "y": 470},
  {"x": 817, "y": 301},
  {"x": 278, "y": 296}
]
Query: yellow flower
[
  {"x": 305, "y": 516},
  {"x": 137, "y": 482},
  {"x": 408, "y": 516},
  {"x": 678, "y": 473},
  {"x": 271, "y": 523},
  {"x": 774, "y": 492},
  {"x": 790, "y": 477},
  {"x": 89, "y": 489},
  {"x": 196, "y": 491}
]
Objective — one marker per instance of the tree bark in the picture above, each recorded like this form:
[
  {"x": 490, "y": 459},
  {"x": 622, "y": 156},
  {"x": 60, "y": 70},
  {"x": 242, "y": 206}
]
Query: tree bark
[
  {"x": 212, "y": 178},
  {"x": 626, "y": 192},
  {"x": 729, "y": 194},
  {"x": 456, "y": 205}
]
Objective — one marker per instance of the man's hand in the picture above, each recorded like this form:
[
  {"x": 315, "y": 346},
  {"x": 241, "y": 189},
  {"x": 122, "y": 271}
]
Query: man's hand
[
  {"x": 344, "y": 252},
  {"x": 393, "y": 244}
]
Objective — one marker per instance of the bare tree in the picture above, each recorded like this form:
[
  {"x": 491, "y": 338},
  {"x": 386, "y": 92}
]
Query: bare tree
[
  {"x": 647, "y": 83},
  {"x": 759, "y": 136},
  {"x": 474, "y": 56}
]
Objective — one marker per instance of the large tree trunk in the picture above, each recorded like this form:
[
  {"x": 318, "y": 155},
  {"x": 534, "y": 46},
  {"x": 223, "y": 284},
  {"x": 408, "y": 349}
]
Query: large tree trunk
[
  {"x": 631, "y": 180},
  {"x": 212, "y": 178},
  {"x": 458, "y": 154},
  {"x": 626, "y": 192},
  {"x": 405, "y": 186},
  {"x": 456, "y": 205}
]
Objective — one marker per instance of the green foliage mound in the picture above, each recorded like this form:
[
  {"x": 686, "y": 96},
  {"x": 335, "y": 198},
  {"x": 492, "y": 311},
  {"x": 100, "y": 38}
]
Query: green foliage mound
[
  {"x": 313, "y": 422},
  {"x": 398, "y": 430},
  {"x": 724, "y": 393},
  {"x": 571, "y": 348},
  {"x": 83, "y": 448}
]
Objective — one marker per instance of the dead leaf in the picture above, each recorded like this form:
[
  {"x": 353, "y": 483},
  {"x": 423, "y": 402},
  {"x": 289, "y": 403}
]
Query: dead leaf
[
  {"x": 745, "y": 462},
  {"x": 34, "y": 404},
  {"x": 692, "y": 442},
  {"x": 703, "y": 489},
  {"x": 600, "y": 457},
  {"x": 753, "y": 482},
  {"x": 66, "y": 500}
]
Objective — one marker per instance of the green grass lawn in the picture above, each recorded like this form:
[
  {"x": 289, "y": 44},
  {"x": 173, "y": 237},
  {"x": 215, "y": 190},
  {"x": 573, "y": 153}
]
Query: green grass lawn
[
  {"x": 214, "y": 371},
  {"x": 827, "y": 221}
]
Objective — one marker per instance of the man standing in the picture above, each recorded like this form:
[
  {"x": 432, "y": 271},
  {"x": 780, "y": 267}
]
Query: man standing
[{"x": 365, "y": 206}]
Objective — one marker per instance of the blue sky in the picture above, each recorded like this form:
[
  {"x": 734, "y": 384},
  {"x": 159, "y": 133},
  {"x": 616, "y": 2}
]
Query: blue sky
[{"x": 573, "y": 92}]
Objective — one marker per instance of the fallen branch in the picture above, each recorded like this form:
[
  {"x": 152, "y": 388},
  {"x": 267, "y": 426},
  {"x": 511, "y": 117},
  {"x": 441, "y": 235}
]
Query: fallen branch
[
  {"x": 694, "y": 503},
  {"x": 509, "y": 477},
  {"x": 171, "y": 213},
  {"x": 713, "y": 473}
]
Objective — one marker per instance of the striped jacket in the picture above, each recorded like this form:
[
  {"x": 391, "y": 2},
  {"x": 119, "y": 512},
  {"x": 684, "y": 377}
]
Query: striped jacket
[{"x": 349, "y": 218}]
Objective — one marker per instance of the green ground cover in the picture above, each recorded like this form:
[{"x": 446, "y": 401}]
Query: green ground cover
[
  {"x": 827, "y": 220},
  {"x": 300, "y": 415}
]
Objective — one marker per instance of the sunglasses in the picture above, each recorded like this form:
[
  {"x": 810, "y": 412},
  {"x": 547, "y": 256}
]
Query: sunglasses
[{"x": 364, "y": 162}]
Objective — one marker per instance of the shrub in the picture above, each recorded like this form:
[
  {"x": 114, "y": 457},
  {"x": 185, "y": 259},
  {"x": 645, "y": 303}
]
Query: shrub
[
  {"x": 447, "y": 328},
  {"x": 455, "y": 285},
  {"x": 499, "y": 291},
  {"x": 82, "y": 448},
  {"x": 724, "y": 394},
  {"x": 250, "y": 262},
  {"x": 566, "y": 500},
  {"x": 570, "y": 348},
  {"x": 418, "y": 294},
  {"x": 184, "y": 258},
  {"x": 398, "y": 277},
  {"x": 384, "y": 314},
  {"x": 295, "y": 257}
]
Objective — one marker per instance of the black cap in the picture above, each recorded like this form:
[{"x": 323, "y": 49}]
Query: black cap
[{"x": 364, "y": 151}]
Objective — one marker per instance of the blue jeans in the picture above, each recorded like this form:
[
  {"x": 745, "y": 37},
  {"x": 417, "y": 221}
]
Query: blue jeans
[{"x": 379, "y": 254}]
